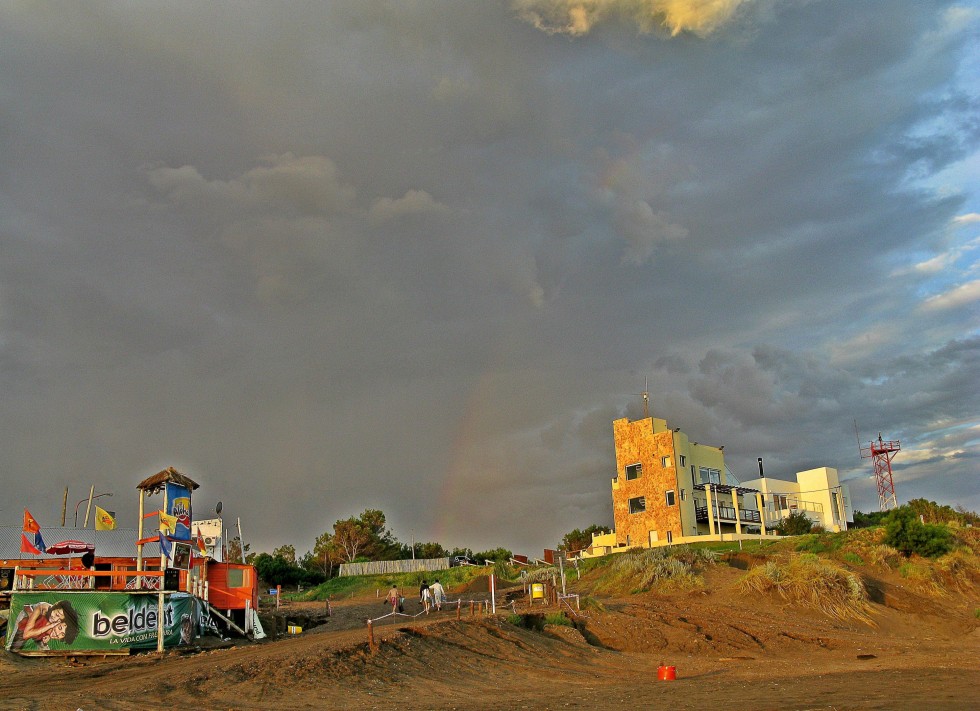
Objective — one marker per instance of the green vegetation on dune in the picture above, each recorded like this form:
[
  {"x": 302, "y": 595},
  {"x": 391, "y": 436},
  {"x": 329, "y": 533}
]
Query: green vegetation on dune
[{"x": 408, "y": 583}]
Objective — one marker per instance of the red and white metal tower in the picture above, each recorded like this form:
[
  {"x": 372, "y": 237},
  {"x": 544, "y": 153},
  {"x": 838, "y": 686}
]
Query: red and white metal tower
[{"x": 881, "y": 453}]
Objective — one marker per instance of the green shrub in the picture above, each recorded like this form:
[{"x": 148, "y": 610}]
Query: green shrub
[
  {"x": 907, "y": 534},
  {"x": 557, "y": 618},
  {"x": 853, "y": 558},
  {"x": 796, "y": 524}
]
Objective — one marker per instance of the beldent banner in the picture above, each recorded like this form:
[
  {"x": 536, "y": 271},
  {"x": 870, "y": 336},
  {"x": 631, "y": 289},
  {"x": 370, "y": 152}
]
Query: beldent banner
[{"x": 56, "y": 620}]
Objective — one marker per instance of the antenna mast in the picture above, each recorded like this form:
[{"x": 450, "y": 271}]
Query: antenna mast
[
  {"x": 881, "y": 453},
  {"x": 646, "y": 399}
]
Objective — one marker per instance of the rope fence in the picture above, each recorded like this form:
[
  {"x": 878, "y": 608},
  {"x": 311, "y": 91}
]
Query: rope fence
[{"x": 481, "y": 607}]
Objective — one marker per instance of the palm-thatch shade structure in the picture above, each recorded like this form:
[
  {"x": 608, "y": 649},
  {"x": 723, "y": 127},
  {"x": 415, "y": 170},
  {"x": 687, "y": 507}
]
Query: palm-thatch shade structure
[
  {"x": 153, "y": 485},
  {"x": 158, "y": 482}
]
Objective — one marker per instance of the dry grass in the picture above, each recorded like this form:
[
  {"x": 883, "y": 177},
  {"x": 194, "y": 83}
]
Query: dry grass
[
  {"x": 546, "y": 575},
  {"x": 641, "y": 570},
  {"x": 883, "y": 556},
  {"x": 811, "y": 582},
  {"x": 919, "y": 577},
  {"x": 956, "y": 572},
  {"x": 968, "y": 537}
]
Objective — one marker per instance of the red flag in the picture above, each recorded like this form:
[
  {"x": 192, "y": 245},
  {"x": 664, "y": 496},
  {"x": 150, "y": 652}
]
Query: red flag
[
  {"x": 30, "y": 523},
  {"x": 200, "y": 542},
  {"x": 27, "y": 547}
]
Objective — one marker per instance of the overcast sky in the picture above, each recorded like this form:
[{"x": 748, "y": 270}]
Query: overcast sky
[{"x": 418, "y": 256}]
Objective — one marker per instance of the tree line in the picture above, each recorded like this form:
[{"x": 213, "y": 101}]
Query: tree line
[{"x": 350, "y": 540}]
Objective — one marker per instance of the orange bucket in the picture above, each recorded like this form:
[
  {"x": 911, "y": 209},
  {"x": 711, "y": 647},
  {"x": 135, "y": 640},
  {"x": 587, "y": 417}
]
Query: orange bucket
[{"x": 666, "y": 673}]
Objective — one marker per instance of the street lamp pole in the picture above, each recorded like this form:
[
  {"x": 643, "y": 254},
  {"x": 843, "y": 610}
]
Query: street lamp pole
[{"x": 89, "y": 500}]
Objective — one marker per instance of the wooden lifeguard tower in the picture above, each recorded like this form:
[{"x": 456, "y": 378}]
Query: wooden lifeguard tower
[{"x": 158, "y": 483}]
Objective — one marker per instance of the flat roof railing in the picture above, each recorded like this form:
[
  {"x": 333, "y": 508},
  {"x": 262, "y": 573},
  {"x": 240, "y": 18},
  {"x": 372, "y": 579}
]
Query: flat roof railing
[{"x": 80, "y": 579}]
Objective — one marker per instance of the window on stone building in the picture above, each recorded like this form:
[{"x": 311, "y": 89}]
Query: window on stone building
[
  {"x": 638, "y": 505},
  {"x": 670, "y": 499},
  {"x": 633, "y": 471}
]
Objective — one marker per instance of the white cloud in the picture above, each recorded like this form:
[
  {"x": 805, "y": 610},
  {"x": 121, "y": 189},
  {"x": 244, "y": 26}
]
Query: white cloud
[
  {"x": 413, "y": 202},
  {"x": 643, "y": 229},
  {"x": 579, "y": 17},
  {"x": 959, "y": 296},
  {"x": 967, "y": 219},
  {"x": 304, "y": 184}
]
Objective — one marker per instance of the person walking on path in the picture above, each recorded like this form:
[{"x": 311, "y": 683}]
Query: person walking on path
[
  {"x": 438, "y": 594},
  {"x": 394, "y": 599},
  {"x": 425, "y": 596}
]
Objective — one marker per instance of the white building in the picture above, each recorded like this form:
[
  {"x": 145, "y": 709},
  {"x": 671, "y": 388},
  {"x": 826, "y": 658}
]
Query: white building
[{"x": 816, "y": 492}]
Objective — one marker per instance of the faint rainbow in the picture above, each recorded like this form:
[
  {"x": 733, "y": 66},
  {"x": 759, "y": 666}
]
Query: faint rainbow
[{"x": 453, "y": 505}]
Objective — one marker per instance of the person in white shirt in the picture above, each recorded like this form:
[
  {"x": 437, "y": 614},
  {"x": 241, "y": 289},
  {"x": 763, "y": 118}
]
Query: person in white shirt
[{"x": 438, "y": 594}]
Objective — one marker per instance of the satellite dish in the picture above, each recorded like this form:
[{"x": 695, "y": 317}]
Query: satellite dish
[{"x": 217, "y": 509}]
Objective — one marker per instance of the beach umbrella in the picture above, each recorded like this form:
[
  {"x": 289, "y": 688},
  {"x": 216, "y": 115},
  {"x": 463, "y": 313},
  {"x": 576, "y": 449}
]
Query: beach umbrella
[{"x": 70, "y": 546}]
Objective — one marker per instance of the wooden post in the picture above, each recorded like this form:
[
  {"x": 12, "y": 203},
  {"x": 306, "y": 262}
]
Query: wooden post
[
  {"x": 459, "y": 605},
  {"x": 139, "y": 546},
  {"x": 91, "y": 495},
  {"x": 370, "y": 625},
  {"x": 472, "y": 611},
  {"x": 493, "y": 594},
  {"x": 160, "y": 620}
]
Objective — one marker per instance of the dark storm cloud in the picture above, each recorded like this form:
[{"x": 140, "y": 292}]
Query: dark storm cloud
[{"x": 418, "y": 257}]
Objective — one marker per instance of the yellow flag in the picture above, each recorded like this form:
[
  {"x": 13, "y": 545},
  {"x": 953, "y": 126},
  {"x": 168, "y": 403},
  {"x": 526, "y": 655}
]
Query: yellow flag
[
  {"x": 168, "y": 523},
  {"x": 104, "y": 521}
]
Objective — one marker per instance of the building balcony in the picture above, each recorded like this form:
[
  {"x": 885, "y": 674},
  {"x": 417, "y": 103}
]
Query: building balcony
[{"x": 727, "y": 513}]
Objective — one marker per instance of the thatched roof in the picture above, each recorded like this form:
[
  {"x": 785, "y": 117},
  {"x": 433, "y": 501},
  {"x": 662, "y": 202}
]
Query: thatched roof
[{"x": 158, "y": 481}]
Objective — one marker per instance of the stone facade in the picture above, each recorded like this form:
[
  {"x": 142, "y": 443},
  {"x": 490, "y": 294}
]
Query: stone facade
[{"x": 646, "y": 467}]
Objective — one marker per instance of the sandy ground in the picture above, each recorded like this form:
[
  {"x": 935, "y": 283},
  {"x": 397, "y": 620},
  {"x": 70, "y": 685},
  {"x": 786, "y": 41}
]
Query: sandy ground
[{"x": 729, "y": 651}]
